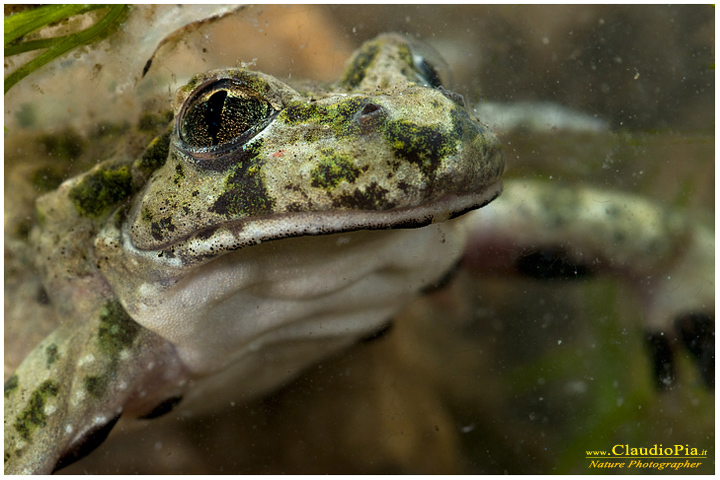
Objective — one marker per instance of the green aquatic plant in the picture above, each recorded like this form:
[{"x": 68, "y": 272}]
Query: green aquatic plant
[{"x": 18, "y": 25}]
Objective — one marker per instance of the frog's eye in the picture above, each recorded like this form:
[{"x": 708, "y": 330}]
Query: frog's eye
[
  {"x": 427, "y": 71},
  {"x": 430, "y": 65},
  {"x": 434, "y": 71},
  {"x": 224, "y": 113}
]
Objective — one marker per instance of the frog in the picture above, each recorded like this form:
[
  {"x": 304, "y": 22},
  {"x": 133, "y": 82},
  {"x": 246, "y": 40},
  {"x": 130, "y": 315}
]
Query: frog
[{"x": 270, "y": 226}]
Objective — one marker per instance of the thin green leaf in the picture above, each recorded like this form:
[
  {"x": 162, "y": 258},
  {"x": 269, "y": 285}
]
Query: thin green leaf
[
  {"x": 25, "y": 22},
  {"x": 32, "y": 45},
  {"x": 66, "y": 44}
]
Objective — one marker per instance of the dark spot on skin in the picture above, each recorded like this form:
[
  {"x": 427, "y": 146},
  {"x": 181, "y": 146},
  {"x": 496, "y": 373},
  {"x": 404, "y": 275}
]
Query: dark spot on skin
[
  {"x": 380, "y": 333},
  {"x": 662, "y": 358},
  {"x": 117, "y": 329},
  {"x": 165, "y": 407},
  {"x": 355, "y": 72},
  {"x": 34, "y": 414},
  {"x": 11, "y": 385},
  {"x": 167, "y": 253},
  {"x": 421, "y": 145},
  {"x": 92, "y": 440},
  {"x": 295, "y": 207},
  {"x": 310, "y": 136},
  {"x": 244, "y": 193},
  {"x": 697, "y": 331},
  {"x": 155, "y": 155},
  {"x": 52, "y": 354},
  {"x": 160, "y": 228},
  {"x": 332, "y": 170},
  {"x": 404, "y": 187},
  {"x": 95, "y": 385},
  {"x": 146, "y": 215},
  {"x": 549, "y": 264},
  {"x": 179, "y": 174},
  {"x": 100, "y": 190},
  {"x": 374, "y": 197}
]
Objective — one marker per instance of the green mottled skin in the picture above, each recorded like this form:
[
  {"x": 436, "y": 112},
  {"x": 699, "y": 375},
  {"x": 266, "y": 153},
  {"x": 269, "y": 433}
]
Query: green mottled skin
[
  {"x": 155, "y": 155},
  {"x": 101, "y": 190},
  {"x": 73, "y": 366},
  {"x": 333, "y": 169},
  {"x": 33, "y": 416}
]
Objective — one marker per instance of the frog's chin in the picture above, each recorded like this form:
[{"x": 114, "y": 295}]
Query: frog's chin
[
  {"x": 209, "y": 243},
  {"x": 267, "y": 310}
]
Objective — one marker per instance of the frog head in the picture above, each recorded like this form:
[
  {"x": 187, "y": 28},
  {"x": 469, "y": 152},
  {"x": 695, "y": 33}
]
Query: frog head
[
  {"x": 251, "y": 159},
  {"x": 257, "y": 169}
]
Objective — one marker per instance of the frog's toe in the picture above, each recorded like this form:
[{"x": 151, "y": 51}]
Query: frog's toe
[
  {"x": 85, "y": 446},
  {"x": 697, "y": 332},
  {"x": 163, "y": 408}
]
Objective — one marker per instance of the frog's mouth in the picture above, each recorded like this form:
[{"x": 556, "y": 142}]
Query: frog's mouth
[{"x": 213, "y": 241}]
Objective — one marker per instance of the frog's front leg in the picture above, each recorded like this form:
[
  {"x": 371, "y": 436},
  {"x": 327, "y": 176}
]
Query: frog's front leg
[
  {"x": 68, "y": 393},
  {"x": 539, "y": 229}
]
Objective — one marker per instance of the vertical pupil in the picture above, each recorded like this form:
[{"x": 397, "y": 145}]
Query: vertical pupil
[
  {"x": 213, "y": 115},
  {"x": 222, "y": 116}
]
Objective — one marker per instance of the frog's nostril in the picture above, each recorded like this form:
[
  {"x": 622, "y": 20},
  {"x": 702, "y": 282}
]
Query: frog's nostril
[
  {"x": 371, "y": 109},
  {"x": 370, "y": 116}
]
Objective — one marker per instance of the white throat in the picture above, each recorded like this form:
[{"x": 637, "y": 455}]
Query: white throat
[{"x": 285, "y": 304}]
